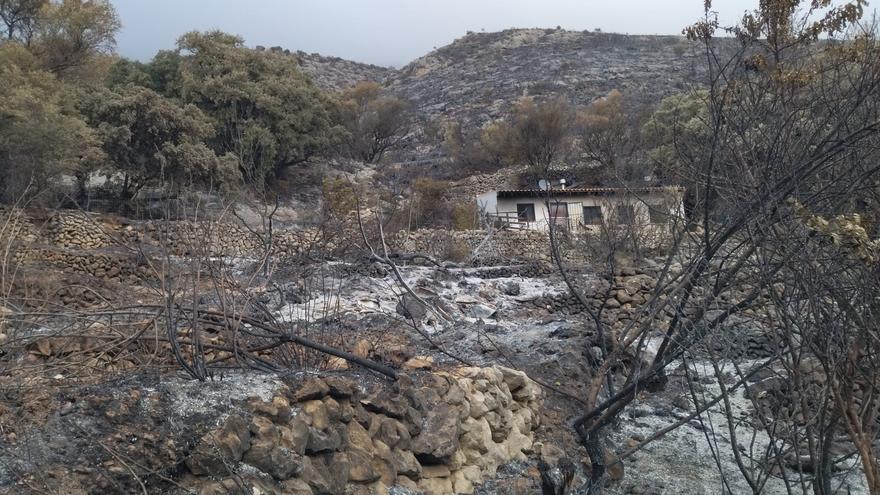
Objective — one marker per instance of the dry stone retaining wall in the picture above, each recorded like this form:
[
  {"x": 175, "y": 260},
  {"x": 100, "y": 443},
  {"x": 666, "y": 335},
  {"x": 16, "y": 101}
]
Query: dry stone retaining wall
[{"x": 438, "y": 433}]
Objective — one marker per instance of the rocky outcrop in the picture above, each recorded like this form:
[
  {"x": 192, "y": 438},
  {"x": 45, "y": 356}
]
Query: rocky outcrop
[
  {"x": 439, "y": 433},
  {"x": 337, "y": 74}
]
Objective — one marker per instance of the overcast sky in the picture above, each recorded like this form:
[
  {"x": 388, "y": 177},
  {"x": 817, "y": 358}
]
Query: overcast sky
[{"x": 391, "y": 32}]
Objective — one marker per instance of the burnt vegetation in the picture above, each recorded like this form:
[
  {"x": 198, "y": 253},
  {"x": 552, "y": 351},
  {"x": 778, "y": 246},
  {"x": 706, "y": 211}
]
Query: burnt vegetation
[{"x": 282, "y": 255}]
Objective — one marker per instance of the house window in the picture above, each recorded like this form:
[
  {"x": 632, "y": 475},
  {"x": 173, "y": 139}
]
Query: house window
[
  {"x": 559, "y": 210},
  {"x": 658, "y": 213},
  {"x": 626, "y": 215},
  {"x": 592, "y": 215},
  {"x": 525, "y": 212}
]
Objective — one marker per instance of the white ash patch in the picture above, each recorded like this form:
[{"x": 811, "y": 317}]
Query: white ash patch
[
  {"x": 191, "y": 397},
  {"x": 682, "y": 460}
]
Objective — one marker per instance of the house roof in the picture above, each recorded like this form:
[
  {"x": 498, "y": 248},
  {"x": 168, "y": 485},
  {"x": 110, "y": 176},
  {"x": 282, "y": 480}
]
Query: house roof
[{"x": 586, "y": 191}]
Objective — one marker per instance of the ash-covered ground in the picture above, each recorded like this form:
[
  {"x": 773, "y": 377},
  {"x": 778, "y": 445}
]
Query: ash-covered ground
[{"x": 523, "y": 316}]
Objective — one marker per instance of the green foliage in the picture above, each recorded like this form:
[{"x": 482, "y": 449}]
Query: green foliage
[
  {"x": 70, "y": 33},
  {"x": 267, "y": 113},
  {"x": 125, "y": 71},
  {"x": 41, "y": 136},
  {"x": 679, "y": 123},
  {"x": 20, "y": 18},
  {"x": 150, "y": 140}
]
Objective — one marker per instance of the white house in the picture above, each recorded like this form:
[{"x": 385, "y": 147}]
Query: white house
[{"x": 583, "y": 208}]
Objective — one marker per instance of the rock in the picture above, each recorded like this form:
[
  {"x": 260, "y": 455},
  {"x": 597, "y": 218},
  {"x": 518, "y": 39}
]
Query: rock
[
  {"x": 511, "y": 289},
  {"x": 294, "y": 435},
  {"x": 326, "y": 474},
  {"x": 436, "y": 486},
  {"x": 322, "y": 441},
  {"x": 360, "y": 467},
  {"x": 296, "y": 487},
  {"x": 461, "y": 484},
  {"x": 278, "y": 462},
  {"x": 514, "y": 379},
  {"x": 623, "y": 297},
  {"x": 436, "y": 471},
  {"x": 438, "y": 439},
  {"x": 410, "y": 307},
  {"x": 359, "y": 439},
  {"x": 278, "y": 410},
  {"x": 312, "y": 389},
  {"x": 419, "y": 363},
  {"x": 315, "y": 414},
  {"x": 384, "y": 463},
  {"x": 389, "y": 406},
  {"x": 406, "y": 463},
  {"x": 482, "y": 311},
  {"x": 390, "y": 432},
  {"x": 466, "y": 299},
  {"x": 216, "y": 449},
  {"x": 339, "y": 388},
  {"x": 409, "y": 487}
]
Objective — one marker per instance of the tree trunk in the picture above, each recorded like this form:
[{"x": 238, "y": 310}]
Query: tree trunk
[{"x": 596, "y": 452}]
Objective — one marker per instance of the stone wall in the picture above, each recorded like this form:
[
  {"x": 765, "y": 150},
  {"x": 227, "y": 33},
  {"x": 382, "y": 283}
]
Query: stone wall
[
  {"x": 437, "y": 433},
  {"x": 115, "y": 248},
  {"x": 503, "y": 246}
]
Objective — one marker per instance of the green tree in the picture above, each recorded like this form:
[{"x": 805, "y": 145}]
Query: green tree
[
  {"x": 125, "y": 71},
  {"x": 20, "y": 18},
  {"x": 150, "y": 140},
  {"x": 376, "y": 123},
  {"x": 267, "y": 113},
  {"x": 674, "y": 131},
  {"x": 41, "y": 135},
  {"x": 71, "y": 33},
  {"x": 164, "y": 72}
]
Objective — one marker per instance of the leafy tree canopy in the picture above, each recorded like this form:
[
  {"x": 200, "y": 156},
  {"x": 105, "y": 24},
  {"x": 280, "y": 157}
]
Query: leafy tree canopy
[
  {"x": 41, "y": 134},
  {"x": 267, "y": 113},
  {"x": 151, "y": 140}
]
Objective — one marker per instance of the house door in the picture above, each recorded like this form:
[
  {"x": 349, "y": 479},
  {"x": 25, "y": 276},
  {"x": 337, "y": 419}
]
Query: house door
[{"x": 559, "y": 214}]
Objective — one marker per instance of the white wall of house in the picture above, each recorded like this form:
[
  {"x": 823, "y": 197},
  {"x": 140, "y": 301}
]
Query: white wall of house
[{"x": 641, "y": 205}]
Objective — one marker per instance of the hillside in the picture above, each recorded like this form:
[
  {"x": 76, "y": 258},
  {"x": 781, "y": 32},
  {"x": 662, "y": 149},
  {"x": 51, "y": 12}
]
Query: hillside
[
  {"x": 476, "y": 77},
  {"x": 334, "y": 73}
]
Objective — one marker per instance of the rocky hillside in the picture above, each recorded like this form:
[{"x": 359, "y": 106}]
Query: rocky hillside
[
  {"x": 337, "y": 74},
  {"x": 476, "y": 77}
]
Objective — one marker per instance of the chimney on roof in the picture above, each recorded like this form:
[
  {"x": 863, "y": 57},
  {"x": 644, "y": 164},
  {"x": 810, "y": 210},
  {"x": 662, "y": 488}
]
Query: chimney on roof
[{"x": 562, "y": 184}]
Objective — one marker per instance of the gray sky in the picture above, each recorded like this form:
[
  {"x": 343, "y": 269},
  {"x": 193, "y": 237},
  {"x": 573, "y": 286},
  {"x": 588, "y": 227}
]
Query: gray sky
[{"x": 391, "y": 32}]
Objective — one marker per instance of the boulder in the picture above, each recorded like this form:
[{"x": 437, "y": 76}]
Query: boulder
[
  {"x": 410, "y": 307},
  {"x": 216, "y": 449},
  {"x": 438, "y": 439},
  {"x": 419, "y": 363},
  {"x": 323, "y": 440},
  {"x": 312, "y": 389},
  {"x": 406, "y": 463},
  {"x": 294, "y": 435},
  {"x": 436, "y": 486},
  {"x": 315, "y": 414},
  {"x": 296, "y": 487}
]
